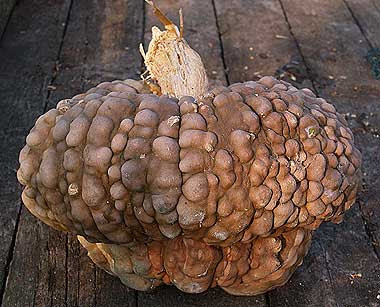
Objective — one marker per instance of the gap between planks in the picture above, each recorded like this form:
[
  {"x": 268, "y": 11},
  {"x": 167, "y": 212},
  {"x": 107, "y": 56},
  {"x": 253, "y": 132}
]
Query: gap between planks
[
  {"x": 375, "y": 4},
  {"x": 221, "y": 46},
  {"x": 7, "y": 22},
  {"x": 142, "y": 40},
  {"x": 10, "y": 255},
  {"x": 371, "y": 45},
  {"x": 309, "y": 75},
  {"x": 356, "y": 20},
  {"x": 225, "y": 69},
  {"x": 308, "y": 69},
  {"x": 55, "y": 71},
  {"x": 372, "y": 238}
]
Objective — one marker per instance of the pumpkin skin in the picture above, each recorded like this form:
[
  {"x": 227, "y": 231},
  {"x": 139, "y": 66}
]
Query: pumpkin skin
[{"x": 223, "y": 190}]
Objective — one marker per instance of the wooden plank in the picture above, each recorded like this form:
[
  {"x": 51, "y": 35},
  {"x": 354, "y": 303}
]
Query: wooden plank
[
  {"x": 313, "y": 284},
  {"x": 80, "y": 275},
  {"x": 324, "y": 254},
  {"x": 335, "y": 49},
  {"x": 310, "y": 284},
  {"x": 367, "y": 15},
  {"x": 171, "y": 296},
  {"x": 6, "y": 7},
  {"x": 50, "y": 268},
  {"x": 9, "y": 221},
  {"x": 343, "y": 282},
  {"x": 370, "y": 198},
  {"x": 9, "y": 191},
  {"x": 35, "y": 270},
  {"x": 111, "y": 292},
  {"x": 24, "y": 72},
  {"x": 101, "y": 44},
  {"x": 257, "y": 42}
]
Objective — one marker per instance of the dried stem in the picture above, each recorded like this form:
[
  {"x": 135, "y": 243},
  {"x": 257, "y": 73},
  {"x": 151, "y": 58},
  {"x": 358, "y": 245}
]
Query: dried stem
[
  {"x": 180, "y": 23},
  {"x": 161, "y": 17},
  {"x": 171, "y": 62}
]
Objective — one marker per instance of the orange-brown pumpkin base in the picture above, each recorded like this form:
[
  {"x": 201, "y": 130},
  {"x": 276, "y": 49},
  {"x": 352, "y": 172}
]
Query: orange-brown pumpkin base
[{"x": 194, "y": 266}]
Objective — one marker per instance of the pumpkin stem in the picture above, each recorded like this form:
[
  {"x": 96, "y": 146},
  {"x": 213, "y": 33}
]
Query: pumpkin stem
[
  {"x": 160, "y": 16},
  {"x": 171, "y": 62},
  {"x": 181, "y": 26}
]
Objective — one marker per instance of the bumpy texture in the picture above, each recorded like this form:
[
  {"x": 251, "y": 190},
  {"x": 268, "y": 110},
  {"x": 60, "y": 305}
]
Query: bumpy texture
[{"x": 221, "y": 191}]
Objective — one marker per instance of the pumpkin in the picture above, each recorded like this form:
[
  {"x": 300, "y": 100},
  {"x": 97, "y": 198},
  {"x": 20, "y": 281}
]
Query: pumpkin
[{"x": 166, "y": 181}]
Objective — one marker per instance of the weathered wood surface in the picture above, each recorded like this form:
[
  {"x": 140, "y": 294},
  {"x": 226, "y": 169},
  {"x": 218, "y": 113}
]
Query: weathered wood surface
[
  {"x": 305, "y": 32},
  {"x": 367, "y": 16},
  {"x": 6, "y": 7},
  {"x": 25, "y": 72},
  {"x": 54, "y": 49},
  {"x": 87, "y": 45},
  {"x": 342, "y": 75}
]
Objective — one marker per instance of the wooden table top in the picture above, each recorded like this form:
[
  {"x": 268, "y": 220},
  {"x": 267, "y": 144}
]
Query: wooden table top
[{"x": 54, "y": 49}]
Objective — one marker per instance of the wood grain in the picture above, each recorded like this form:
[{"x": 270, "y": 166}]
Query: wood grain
[
  {"x": 101, "y": 44},
  {"x": 367, "y": 16},
  {"x": 49, "y": 268},
  {"x": 343, "y": 76},
  {"x": 171, "y": 296},
  {"x": 6, "y": 7},
  {"x": 24, "y": 74},
  {"x": 55, "y": 49},
  {"x": 257, "y": 42}
]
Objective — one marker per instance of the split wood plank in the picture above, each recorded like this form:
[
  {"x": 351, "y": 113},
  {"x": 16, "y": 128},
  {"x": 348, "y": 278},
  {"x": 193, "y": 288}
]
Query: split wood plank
[
  {"x": 165, "y": 296},
  {"x": 335, "y": 49},
  {"x": 6, "y": 7},
  {"x": 101, "y": 44},
  {"x": 95, "y": 48},
  {"x": 257, "y": 42},
  {"x": 28, "y": 51},
  {"x": 367, "y": 15},
  {"x": 268, "y": 25}
]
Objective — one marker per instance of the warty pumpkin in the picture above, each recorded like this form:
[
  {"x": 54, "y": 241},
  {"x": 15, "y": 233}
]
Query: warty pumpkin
[{"x": 166, "y": 181}]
